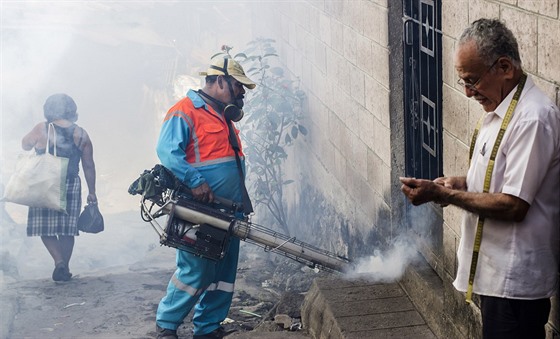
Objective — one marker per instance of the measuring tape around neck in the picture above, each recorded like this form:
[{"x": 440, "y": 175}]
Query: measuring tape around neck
[{"x": 488, "y": 176}]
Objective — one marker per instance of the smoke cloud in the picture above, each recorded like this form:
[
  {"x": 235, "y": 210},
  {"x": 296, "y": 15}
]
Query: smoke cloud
[
  {"x": 119, "y": 61},
  {"x": 389, "y": 264},
  {"x": 386, "y": 266}
]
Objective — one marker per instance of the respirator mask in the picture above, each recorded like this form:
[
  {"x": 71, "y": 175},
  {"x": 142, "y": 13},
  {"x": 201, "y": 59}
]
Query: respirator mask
[{"x": 232, "y": 112}]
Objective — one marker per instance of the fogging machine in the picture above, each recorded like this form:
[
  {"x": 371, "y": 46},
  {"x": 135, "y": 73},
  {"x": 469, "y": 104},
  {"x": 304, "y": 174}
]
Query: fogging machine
[{"x": 204, "y": 229}]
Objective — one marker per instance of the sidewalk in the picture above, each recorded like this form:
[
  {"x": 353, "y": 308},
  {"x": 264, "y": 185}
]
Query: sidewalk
[
  {"x": 336, "y": 308},
  {"x": 119, "y": 300},
  {"x": 122, "y": 304}
]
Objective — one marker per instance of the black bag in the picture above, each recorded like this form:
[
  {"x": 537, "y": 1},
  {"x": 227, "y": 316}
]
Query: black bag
[{"x": 91, "y": 220}]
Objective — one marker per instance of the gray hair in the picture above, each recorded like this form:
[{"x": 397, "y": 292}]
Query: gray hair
[{"x": 493, "y": 40}]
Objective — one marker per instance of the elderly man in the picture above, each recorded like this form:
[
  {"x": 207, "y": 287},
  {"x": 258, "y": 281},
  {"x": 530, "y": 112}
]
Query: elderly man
[
  {"x": 509, "y": 249},
  {"x": 194, "y": 144}
]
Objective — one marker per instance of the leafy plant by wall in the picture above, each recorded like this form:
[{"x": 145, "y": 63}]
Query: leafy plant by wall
[{"x": 273, "y": 120}]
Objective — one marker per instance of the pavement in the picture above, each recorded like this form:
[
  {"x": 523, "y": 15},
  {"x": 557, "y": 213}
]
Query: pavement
[
  {"x": 119, "y": 279},
  {"x": 122, "y": 303}
]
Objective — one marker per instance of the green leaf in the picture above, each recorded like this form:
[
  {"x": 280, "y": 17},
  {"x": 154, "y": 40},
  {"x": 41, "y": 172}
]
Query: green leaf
[
  {"x": 302, "y": 129},
  {"x": 287, "y": 139},
  {"x": 294, "y": 132}
]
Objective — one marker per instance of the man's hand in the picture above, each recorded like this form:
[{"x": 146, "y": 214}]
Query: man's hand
[
  {"x": 454, "y": 183},
  {"x": 421, "y": 191},
  {"x": 203, "y": 193}
]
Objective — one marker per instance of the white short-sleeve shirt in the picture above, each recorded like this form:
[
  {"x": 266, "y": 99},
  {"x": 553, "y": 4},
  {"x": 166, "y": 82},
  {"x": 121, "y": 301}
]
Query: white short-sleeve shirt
[{"x": 517, "y": 260}]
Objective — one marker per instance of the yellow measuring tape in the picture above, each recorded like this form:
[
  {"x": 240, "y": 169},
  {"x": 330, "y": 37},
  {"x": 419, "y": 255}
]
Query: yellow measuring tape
[{"x": 488, "y": 176}]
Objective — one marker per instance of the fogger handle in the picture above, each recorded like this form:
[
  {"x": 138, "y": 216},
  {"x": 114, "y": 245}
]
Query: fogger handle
[
  {"x": 238, "y": 207},
  {"x": 229, "y": 204}
]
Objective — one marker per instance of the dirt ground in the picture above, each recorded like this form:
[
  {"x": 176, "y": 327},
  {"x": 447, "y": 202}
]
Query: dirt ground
[{"x": 119, "y": 277}]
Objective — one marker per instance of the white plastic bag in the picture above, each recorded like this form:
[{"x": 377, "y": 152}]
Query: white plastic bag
[{"x": 39, "y": 180}]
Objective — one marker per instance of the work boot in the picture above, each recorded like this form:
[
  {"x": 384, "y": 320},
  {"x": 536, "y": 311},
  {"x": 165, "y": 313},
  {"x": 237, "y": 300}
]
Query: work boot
[
  {"x": 165, "y": 333},
  {"x": 218, "y": 333}
]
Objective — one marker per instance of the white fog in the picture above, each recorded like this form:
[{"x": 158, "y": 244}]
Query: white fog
[{"x": 124, "y": 63}]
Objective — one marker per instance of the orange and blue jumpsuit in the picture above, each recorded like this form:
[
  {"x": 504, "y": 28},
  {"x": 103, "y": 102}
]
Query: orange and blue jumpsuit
[{"x": 194, "y": 145}]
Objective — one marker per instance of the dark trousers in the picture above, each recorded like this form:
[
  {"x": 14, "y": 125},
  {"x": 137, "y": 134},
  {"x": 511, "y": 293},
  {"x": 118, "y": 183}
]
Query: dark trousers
[{"x": 514, "y": 318}]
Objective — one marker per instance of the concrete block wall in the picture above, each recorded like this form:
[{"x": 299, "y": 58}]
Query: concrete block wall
[
  {"x": 536, "y": 24},
  {"x": 339, "y": 50}
]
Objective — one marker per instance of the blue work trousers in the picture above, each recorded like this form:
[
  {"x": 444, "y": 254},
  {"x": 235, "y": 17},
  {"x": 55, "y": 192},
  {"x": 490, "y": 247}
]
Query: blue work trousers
[{"x": 208, "y": 282}]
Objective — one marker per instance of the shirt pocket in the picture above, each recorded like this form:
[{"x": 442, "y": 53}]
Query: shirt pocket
[{"x": 213, "y": 138}]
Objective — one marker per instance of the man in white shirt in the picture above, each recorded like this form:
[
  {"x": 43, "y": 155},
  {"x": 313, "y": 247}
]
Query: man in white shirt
[{"x": 509, "y": 249}]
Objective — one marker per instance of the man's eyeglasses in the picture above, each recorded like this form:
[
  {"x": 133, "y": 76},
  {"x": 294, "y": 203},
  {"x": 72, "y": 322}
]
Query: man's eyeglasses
[{"x": 472, "y": 86}]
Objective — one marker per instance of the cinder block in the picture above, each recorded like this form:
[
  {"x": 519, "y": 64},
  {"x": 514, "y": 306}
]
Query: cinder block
[
  {"x": 352, "y": 120},
  {"x": 359, "y": 156},
  {"x": 449, "y": 74},
  {"x": 364, "y": 50},
  {"x": 450, "y": 244},
  {"x": 344, "y": 74},
  {"x": 325, "y": 28},
  {"x": 381, "y": 65},
  {"x": 382, "y": 145},
  {"x": 383, "y": 3},
  {"x": 319, "y": 81},
  {"x": 386, "y": 184},
  {"x": 334, "y": 8},
  {"x": 475, "y": 112},
  {"x": 301, "y": 11},
  {"x": 456, "y": 17},
  {"x": 377, "y": 99},
  {"x": 545, "y": 7},
  {"x": 453, "y": 217},
  {"x": 292, "y": 33},
  {"x": 376, "y": 21},
  {"x": 448, "y": 154},
  {"x": 340, "y": 167},
  {"x": 483, "y": 9},
  {"x": 524, "y": 28},
  {"x": 340, "y": 106},
  {"x": 352, "y": 14},
  {"x": 467, "y": 321},
  {"x": 337, "y": 40},
  {"x": 314, "y": 21},
  {"x": 365, "y": 121},
  {"x": 549, "y": 48},
  {"x": 462, "y": 157},
  {"x": 455, "y": 113},
  {"x": 332, "y": 64},
  {"x": 357, "y": 85},
  {"x": 350, "y": 44}
]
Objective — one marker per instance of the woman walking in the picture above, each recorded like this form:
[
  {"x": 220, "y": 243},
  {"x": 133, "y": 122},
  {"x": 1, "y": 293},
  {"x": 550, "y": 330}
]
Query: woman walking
[{"x": 57, "y": 229}]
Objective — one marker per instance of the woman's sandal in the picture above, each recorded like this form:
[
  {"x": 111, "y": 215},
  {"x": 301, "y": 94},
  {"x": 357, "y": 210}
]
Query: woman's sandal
[{"x": 61, "y": 272}]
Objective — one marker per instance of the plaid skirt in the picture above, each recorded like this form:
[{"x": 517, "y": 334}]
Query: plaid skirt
[{"x": 48, "y": 222}]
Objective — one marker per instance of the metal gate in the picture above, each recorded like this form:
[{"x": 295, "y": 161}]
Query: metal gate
[{"x": 422, "y": 88}]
